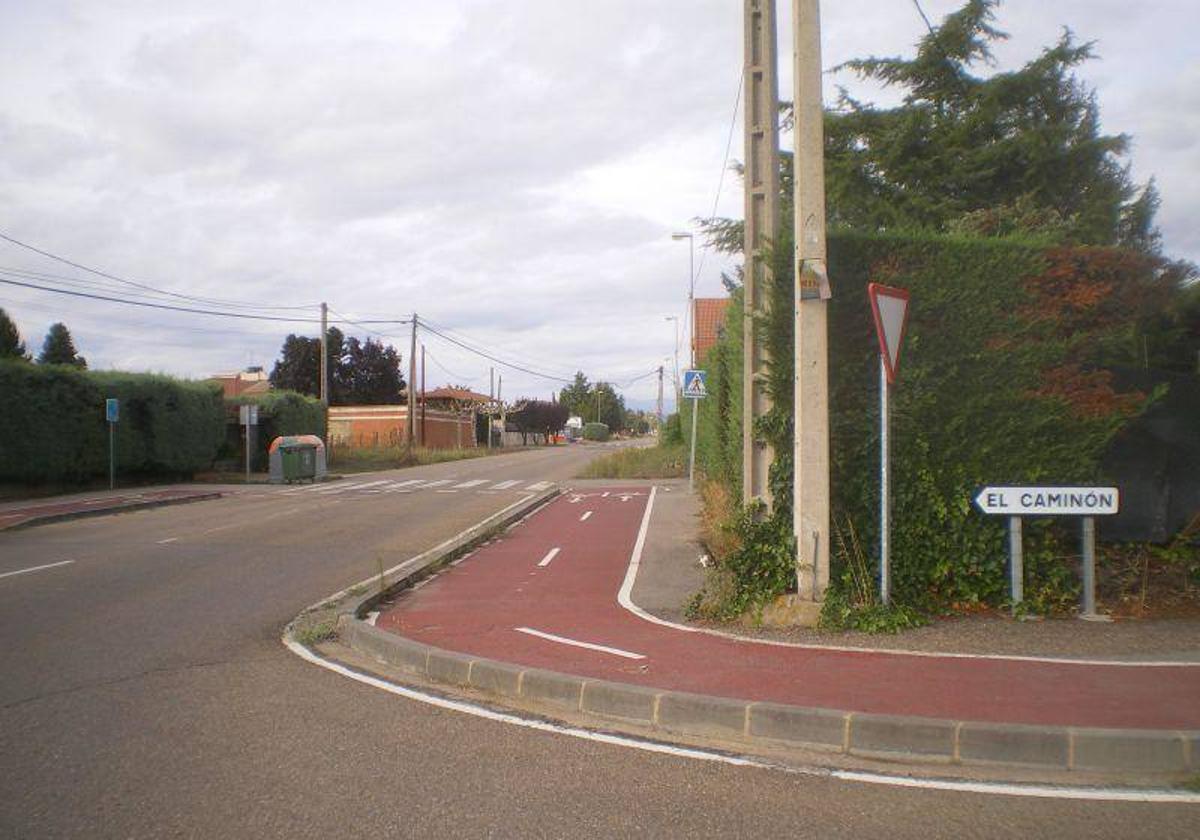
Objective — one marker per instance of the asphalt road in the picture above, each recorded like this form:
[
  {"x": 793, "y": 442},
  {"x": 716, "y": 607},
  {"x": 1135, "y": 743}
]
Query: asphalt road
[{"x": 144, "y": 693}]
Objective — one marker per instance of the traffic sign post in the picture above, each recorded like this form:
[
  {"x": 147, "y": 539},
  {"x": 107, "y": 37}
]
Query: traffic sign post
[
  {"x": 694, "y": 389},
  {"x": 889, "y": 306},
  {"x": 248, "y": 416},
  {"x": 112, "y": 412},
  {"x": 1084, "y": 502}
]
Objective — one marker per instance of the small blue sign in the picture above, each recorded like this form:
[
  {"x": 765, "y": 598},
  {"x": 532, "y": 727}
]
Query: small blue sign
[
  {"x": 694, "y": 387},
  {"x": 112, "y": 410}
]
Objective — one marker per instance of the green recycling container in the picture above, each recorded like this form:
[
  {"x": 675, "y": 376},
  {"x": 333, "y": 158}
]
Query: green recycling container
[{"x": 299, "y": 461}]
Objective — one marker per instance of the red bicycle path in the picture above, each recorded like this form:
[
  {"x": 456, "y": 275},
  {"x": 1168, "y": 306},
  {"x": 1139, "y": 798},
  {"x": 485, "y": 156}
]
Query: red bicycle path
[{"x": 476, "y": 606}]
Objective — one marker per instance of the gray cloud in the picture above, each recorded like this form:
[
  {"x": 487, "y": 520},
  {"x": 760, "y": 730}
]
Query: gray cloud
[{"x": 509, "y": 169}]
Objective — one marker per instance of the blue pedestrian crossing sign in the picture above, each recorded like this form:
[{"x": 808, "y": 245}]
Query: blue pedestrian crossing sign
[
  {"x": 693, "y": 385},
  {"x": 112, "y": 410}
]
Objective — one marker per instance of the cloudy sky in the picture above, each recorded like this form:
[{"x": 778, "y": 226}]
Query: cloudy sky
[{"x": 511, "y": 170}]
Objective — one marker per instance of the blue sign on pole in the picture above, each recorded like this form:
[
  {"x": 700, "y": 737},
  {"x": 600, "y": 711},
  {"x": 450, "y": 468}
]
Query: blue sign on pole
[
  {"x": 694, "y": 387},
  {"x": 111, "y": 410}
]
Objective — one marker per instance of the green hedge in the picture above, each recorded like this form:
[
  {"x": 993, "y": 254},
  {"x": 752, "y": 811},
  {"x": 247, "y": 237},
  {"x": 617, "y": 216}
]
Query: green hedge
[
  {"x": 280, "y": 413},
  {"x": 52, "y": 425},
  {"x": 595, "y": 431},
  {"x": 1001, "y": 381}
]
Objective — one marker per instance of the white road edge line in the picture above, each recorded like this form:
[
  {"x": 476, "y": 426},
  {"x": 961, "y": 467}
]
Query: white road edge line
[
  {"x": 1029, "y": 791},
  {"x": 625, "y": 599},
  {"x": 550, "y": 555},
  {"x": 37, "y": 568},
  {"x": 563, "y": 640},
  {"x": 586, "y": 515}
]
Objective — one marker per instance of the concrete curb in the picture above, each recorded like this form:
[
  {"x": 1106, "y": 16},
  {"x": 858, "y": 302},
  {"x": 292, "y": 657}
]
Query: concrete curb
[
  {"x": 107, "y": 511},
  {"x": 662, "y": 713},
  {"x": 873, "y": 736},
  {"x": 350, "y": 605}
]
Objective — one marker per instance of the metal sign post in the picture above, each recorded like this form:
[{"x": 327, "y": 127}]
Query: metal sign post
[
  {"x": 889, "y": 306},
  {"x": 112, "y": 413},
  {"x": 694, "y": 389},
  {"x": 1084, "y": 502},
  {"x": 248, "y": 416}
]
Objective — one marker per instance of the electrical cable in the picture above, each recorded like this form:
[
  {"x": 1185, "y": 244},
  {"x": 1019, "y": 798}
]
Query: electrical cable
[
  {"x": 724, "y": 167},
  {"x": 476, "y": 344},
  {"x": 149, "y": 305},
  {"x": 453, "y": 376},
  {"x": 497, "y": 360},
  {"x": 133, "y": 283}
]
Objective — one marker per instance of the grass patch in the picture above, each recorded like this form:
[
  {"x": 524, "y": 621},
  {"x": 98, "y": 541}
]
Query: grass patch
[
  {"x": 366, "y": 459},
  {"x": 317, "y": 633},
  {"x": 667, "y": 461}
]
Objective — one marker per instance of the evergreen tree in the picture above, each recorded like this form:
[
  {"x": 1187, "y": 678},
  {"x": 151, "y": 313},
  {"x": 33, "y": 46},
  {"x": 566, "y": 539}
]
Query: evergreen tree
[
  {"x": 11, "y": 346},
  {"x": 372, "y": 373},
  {"x": 299, "y": 366},
  {"x": 1015, "y": 152},
  {"x": 576, "y": 396},
  {"x": 59, "y": 348},
  {"x": 1024, "y": 144}
]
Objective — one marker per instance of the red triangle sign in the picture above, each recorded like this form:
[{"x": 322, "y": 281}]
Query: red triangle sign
[{"x": 890, "y": 308}]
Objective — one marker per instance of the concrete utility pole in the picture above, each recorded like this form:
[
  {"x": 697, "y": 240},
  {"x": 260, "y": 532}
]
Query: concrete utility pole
[
  {"x": 660, "y": 398},
  {"x": 811, "y": 462},
  {"x": 412, "y": 384},
  {"x": 491, "y": 404},
  {"x": 762, "y": 226},
  {"x": 324, "y": 356},
  {"x": 422, "y": 394}
]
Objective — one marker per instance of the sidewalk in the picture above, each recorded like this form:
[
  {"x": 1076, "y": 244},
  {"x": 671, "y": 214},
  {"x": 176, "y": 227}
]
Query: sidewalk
[
  {"x": 24, "y": 514},
  {"x": 556, "y": 597}
]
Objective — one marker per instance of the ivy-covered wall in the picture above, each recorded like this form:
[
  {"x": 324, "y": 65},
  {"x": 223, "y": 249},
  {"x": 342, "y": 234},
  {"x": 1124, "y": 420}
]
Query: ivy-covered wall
[{"x": 998, "y": 384}]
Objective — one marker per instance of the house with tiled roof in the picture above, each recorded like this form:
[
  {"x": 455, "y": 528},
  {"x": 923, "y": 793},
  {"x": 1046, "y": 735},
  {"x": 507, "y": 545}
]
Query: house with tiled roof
[{"x": 708, "y": 325}]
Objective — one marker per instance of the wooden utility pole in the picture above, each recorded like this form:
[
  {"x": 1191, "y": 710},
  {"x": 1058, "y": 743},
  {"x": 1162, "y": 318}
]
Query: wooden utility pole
[
  {"x": 412, "y": 384},
  {"x": 762, "y": 223},
  {"x": 810, "y": 503}
]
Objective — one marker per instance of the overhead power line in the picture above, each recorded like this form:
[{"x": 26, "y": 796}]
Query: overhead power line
[
  {"x": 150, "y": 305},
  {"x": 737, "y": 102},
  {"x": 494, "y": 358},
  {"x": 135, "y": 284}
]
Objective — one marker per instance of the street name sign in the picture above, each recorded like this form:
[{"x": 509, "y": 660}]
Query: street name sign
[
  {"x": 694, "y": 387},
  {"x": 1049, "y": 501},
  {"x": 889, "y": 306}
]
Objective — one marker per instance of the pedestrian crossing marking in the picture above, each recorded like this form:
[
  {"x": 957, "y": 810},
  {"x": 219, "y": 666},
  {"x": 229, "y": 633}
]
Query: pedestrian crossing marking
[{"x": 412, "y": 485}]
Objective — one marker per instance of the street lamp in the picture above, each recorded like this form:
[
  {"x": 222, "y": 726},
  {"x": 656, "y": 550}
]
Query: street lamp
[{"x": 691, "y": 286}]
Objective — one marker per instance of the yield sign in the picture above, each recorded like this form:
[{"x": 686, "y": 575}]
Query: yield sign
[{"x": 890, "y": 308}]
